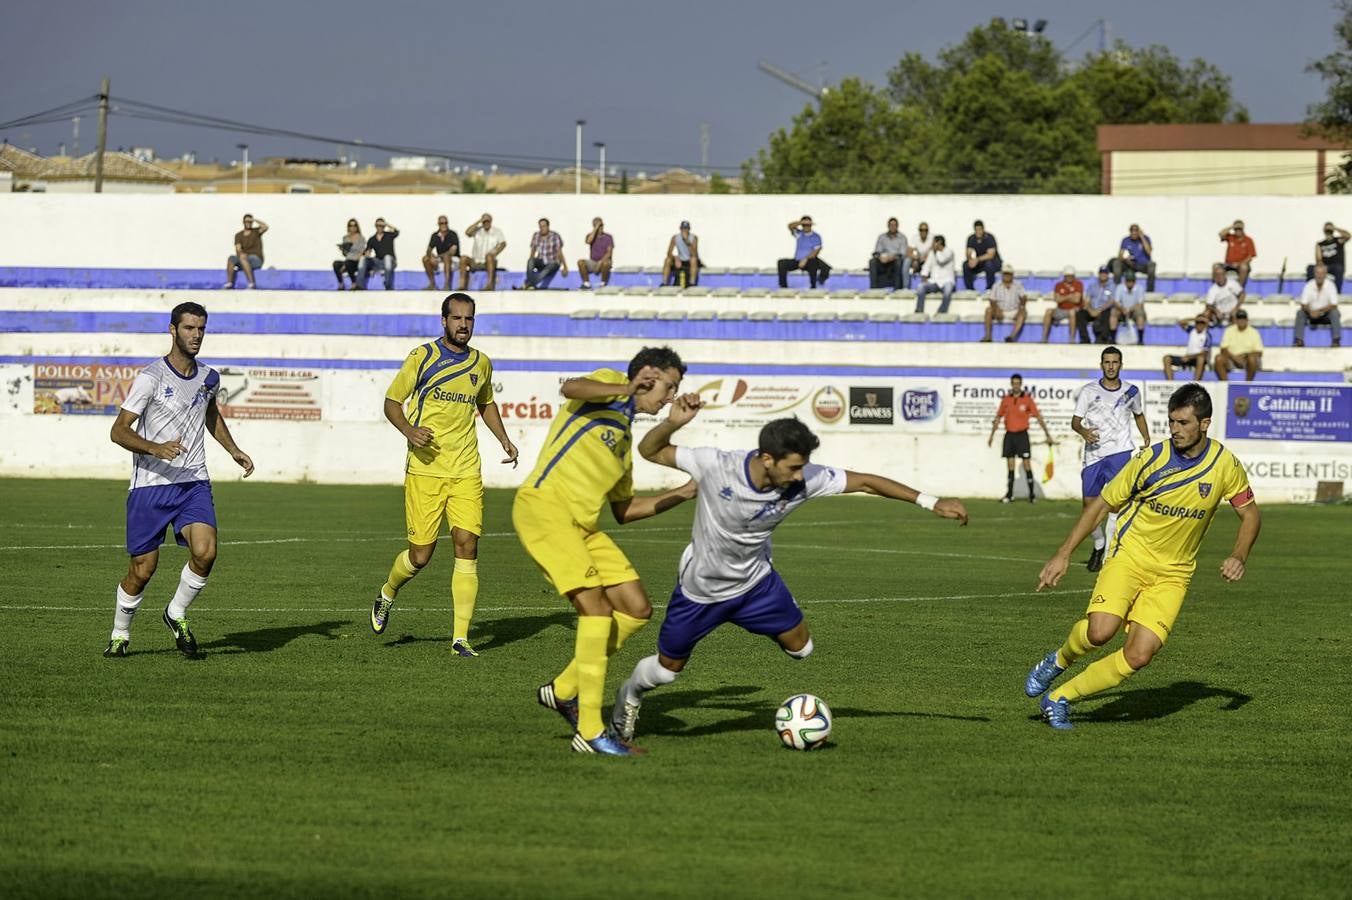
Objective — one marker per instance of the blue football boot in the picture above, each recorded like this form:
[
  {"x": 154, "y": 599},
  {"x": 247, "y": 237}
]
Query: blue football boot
[
  {"x": 1056, "y": 713},
  {"x": 1042, "y": 675}
]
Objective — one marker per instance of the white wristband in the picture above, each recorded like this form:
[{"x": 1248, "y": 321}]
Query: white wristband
[{"x": 926, "y": 501}]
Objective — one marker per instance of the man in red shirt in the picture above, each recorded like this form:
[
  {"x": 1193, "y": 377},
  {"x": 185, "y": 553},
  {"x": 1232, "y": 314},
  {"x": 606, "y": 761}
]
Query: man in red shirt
[
  {"x": 1016, "y": 408},
  {"x": 1069, "y": 308},
  {"x": 1239, "y": 251}
]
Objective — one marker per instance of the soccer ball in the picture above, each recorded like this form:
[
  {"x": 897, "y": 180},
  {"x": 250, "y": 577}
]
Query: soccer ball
[{"x": 803, "y": 722}]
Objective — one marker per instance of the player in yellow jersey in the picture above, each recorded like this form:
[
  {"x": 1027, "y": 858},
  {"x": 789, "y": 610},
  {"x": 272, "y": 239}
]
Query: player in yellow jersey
[
  {"x": 588, "y": 460},
  {"x": 1165, "y": 498},
  {"x": 432, "y": 402}
]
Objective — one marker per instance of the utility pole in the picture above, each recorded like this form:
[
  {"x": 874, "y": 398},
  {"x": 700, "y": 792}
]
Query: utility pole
[
  {"x": 245, "y": 165},
  {"x": 601, "y": 185},
  {"x": 103, "y": 137},
  {"x": 75, "y": 138},
  {"x": 577, "y": 167}
]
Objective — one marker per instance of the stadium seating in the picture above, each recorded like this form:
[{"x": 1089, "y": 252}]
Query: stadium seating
[{"x": 714, "y": 279}]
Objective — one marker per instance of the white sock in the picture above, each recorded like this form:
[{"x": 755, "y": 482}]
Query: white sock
[
  {"x": 1110, "y": 524},
  {"x": 123, "y": 613},
  {"x": 648, "y": 674},
  {"x": 189, "y": 585},
  {"x": 803, "y": 653},
  {"x": 1099, "y": 539}
]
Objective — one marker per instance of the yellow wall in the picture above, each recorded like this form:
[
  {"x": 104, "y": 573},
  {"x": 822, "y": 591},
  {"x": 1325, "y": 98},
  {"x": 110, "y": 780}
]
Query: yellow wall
[{"x": 1250, "y": 172}]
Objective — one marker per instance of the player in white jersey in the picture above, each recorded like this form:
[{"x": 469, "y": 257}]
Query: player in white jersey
[
  {"x": 1104, "y": 412},
  {"x": 163, "y": 422},
  {"x": 726, "y": 572}
]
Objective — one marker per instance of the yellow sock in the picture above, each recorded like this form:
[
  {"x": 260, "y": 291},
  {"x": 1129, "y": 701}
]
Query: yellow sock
[
  {"x": 464, "y": 591},
  {"x": 593, "y": 632},
  {"x": 1076, "y": 645},
  {"x": 1101, "y": 675},
  {"x": 624, "y": 628},
  {"x": 400, "y": 573}
]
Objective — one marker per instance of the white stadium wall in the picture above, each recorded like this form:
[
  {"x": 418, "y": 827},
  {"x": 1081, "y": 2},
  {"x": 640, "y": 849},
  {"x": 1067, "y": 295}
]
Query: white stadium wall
[
  {"x": 930, "y": 432},
  {"x": 1034, "y": 232}
]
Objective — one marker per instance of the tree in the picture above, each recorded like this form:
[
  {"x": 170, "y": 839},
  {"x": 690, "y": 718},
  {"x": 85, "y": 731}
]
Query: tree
[
  {"x": 855, "y": 142},
  {"x": 718, "y": 184},
  {"x": 1149, "y": 85},
  {"x": 1332, "y": 117},
  {"x": 999, "y": 111}
]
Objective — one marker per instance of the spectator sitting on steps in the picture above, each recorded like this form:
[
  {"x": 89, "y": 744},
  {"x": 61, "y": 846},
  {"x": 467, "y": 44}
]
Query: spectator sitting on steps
[
  {"x": 1007, "y": 300},
  {"x": 807, "y": 250}
]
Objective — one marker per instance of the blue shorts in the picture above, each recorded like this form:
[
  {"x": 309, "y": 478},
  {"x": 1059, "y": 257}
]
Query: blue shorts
[
  {"x": 768, "y": 608},
  {"x": 151, "y": 509},
  {"x": 1096, "y": 476}
]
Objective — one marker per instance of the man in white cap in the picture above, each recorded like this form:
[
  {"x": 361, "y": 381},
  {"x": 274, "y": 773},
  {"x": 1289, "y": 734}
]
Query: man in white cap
[
  {"x": 1007, "y": 301},
  {"x": 1069, "y": 308}
]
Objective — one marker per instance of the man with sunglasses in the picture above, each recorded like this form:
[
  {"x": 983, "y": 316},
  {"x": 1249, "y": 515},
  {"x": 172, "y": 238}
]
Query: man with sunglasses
[
  {"x": 379, "y": 255},
  {"x": 442, "y": 247}
]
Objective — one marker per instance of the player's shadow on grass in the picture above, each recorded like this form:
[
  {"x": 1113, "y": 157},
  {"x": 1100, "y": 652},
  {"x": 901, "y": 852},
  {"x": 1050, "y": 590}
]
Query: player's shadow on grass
[
  {"x": 754, "y": 714},
  {"x": 1156, "y": 703},
  {"x": 265, "y": 640},
  {"x": 498, "y": 633}
]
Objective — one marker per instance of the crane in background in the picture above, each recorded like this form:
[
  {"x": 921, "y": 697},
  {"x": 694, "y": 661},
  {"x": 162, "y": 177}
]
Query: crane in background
[{"x": 796, "y": 82}]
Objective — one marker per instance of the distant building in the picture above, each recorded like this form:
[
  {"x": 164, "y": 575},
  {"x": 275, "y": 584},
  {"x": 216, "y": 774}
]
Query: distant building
[
  {"x": 122, "y": 174},
  {"x": 1231, "y": 158}
]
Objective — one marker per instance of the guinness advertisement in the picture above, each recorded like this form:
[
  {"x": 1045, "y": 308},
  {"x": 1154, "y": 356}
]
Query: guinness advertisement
[{"x": 871, "y": 406}]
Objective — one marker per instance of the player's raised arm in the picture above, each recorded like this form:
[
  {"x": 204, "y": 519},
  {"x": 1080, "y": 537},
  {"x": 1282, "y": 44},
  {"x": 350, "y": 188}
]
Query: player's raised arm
[
  {"x": 656, "y": 445},
  {"x": 215, "y": 423},
  {"x": 1056, "y": 567},
  {"x": 880, "y": 486},
  {"x": 635, "y": 508},
  {"x": 591, "y": 389}
]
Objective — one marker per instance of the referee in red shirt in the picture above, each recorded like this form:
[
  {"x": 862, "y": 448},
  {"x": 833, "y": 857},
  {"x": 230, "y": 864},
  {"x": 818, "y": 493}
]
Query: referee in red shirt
[{"x": 1016, "y": 408}]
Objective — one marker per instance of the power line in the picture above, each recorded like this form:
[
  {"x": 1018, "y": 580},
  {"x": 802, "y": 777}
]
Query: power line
[{"x": 55, "y": 114}]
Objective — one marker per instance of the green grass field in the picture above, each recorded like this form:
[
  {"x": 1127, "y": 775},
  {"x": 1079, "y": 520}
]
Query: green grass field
[{"x": 306, "y": 756}]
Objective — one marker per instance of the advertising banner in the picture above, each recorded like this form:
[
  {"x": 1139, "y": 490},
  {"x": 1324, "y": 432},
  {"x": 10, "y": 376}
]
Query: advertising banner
[
  {"x": 288, "y": 394},
  {"x": 1306, "y": 412},
  {"x": 81, "y": 389}
]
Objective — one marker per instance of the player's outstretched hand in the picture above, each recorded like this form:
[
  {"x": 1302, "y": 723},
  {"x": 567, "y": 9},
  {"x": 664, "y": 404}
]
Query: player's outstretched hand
[
  {"x": 244, "y": 461},
  {"x": 948, "y": 508},
  {"x": 645, "y": 378},
  {"x": 1090, "y": 435},
  {"x": 1232, "y": 569},
  {"x": 1052, "y": 572},
  {"x": 990, "y": 440},
  {"x": 683, "y": 409},
  {"x": 510, "y": 449},
  {"x": 168, "y": 450},
  {"x": 421, "y": 437}
]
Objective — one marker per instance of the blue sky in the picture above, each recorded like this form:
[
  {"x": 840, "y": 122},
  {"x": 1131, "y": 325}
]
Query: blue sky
[{"x": 512, "y": 77}]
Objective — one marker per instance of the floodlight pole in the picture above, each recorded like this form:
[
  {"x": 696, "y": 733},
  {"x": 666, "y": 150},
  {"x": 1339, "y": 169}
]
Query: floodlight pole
[
  {"x": 103, "y": 137},
  {"x": 245, "y": 165},
  {"x": 577, "y": 168},
  {"x": 601, "y": 185}
]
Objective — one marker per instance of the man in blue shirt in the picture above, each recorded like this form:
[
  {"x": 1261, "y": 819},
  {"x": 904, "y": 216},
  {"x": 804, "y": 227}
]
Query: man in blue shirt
[
  {"x": 806, "y": 254},
  {"x": 1099, "y": 306},
  {"x": 1136, "y": 253}
]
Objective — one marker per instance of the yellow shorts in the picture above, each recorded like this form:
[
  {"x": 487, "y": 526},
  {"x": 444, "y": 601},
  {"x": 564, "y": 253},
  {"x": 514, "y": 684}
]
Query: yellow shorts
[
  {"x": 1131, "y": 591},
  {"x": 427, "y": 498},
  {"x": 571, "y": 556}
]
